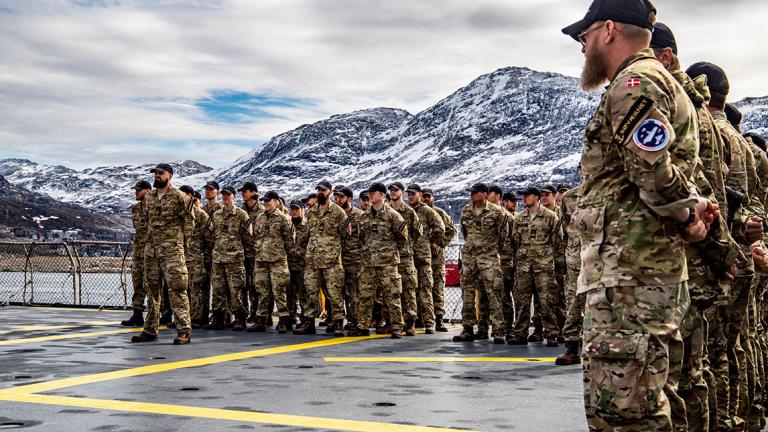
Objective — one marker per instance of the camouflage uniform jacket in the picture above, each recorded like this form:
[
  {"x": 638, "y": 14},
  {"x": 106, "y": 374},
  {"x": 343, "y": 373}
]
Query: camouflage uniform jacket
[
  {"x": 560, "y": 251},
  {"x": 323, "y": 237},
  {"x": 536, "y": 237},
  {"x": 433, "y": 233},
  {"x": 297, "y": 254},
  {"x": 195, "y": 244},
  {"x": 253, "y": 213},
  {"x": 351, "y": 252},
  {"x": 484, "y": 235},
  {"x": 231, "y": 231},
  {"x": 507, "y": 253},
  {"x": 568, "y": 206},
  {"x": 208, "y": 239},
  {"x": 170, "y": 222},
  {"x": 761, "y": 158},
  {"x": 414, "y": 229},
  {"x": 273, "y": 236},
  {"x": 382, "y": 236},
  {"x": 140, "y": 227},
  {"x": 630, "y": 185},
  {"x": 450, "y": 233}
]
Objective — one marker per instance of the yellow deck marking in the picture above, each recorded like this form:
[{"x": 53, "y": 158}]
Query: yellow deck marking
[
  {"x": 225, "y": 414},
  {"x": 68, "y": 336},
  {"x": 440, "y": 359},
  {"x": 65, "y": 326},
  {"x": 77, "y": 309}
]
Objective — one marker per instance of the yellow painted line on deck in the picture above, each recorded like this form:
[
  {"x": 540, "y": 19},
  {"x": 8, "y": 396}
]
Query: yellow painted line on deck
[
  {"x": 69, "y": 336},
  {"x": 124, "y": 311},
  {"x": 226, "y": 414},
  {"x": 439, "y": 359}
]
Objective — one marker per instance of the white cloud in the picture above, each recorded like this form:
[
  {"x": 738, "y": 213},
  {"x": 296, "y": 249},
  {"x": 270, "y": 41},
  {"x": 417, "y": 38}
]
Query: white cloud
[{"x": 87, "y": 83}]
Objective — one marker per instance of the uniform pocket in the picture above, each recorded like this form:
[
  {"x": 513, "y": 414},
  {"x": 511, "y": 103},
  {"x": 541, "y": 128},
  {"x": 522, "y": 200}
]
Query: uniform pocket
[
  {"x": 590, "y": 224},
  {"x": 617, "y": 382}
]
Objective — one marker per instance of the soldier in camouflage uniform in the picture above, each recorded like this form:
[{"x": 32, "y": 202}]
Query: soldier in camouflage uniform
[
  {"x": 250, "y": 194},
  {"x": 350, "y": 253},
  {"x": 169, "y": 221},
  {"x": 326, "y": 225},
  {"x": 438, "y": 261},
  {"x": 509, "y": 203},
  {"x": 535, "y": 236},
  {"x": 273, "y": 234},
  {"x": 141, "y": 190},
  {"x": 634, "y": 202},
  {"x": 297, "y": 293},
  {"x": 407, "y": 268},
  {"x": 232, "y": 231},
  {"x": 211, "y": 191},
  {"x": 549, "y": 202},
  {"x": 484, "y": 226},
  {"x": 575, "y": 303},
  {"x": 194, "y": 259},
  {"x": 483, "y": 302},
  {"x": 383, "y": 234},
  {"x": 432, "y": 239}
]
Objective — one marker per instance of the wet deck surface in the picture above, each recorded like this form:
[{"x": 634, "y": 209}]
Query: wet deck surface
[{"x": 75, "y": 370}]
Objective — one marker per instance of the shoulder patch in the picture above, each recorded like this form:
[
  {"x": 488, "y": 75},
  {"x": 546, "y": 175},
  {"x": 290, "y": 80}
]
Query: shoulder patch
[
  {"x": 638, "y": 110},
  {"x": 633, "y": 82},
  {"x": 652, "y": 135}
]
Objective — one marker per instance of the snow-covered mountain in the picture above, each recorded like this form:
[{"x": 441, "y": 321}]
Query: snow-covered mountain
[
  {"x": 102, "y": 189},
  {"x": 512, "y": 127}
]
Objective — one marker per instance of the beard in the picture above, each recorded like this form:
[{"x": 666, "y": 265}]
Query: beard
[
  {"x": 322, "y": 199},
  {"x": 347, "y": 205},
  {"x": 296, "y": 220},
  {"x": 160, "y": 183},
  {"x": 594, "y": 73}
]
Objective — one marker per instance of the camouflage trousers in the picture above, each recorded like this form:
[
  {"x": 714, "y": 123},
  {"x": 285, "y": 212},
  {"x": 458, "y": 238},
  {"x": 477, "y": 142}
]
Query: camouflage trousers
[
  {"x": 208, "y": 262},
  {"x": 196, "y": 279},
  {"x": 692, "y": 385},
  {"x": 228, "y": 282},
  {"x": 426, "y": 309},
  {"x": 487, "y": 280},
  {"x": 375, "y": 280},
  {"x": 249, "y": 295},
  {"x": 561, "y": 273},
  {"x": 271, "y": 280},
  {"x": 438, "y": 284},
  {"x": 754, "y": 397},
  {"x": 626, "y": 335},
  {"x": 733, "y": 320},
  {"x": 173, "y": 270},
  {"x": 352, "y": 289},
  {"x": 137, "y": 278},
  {"x": 333, "y": 279},
  {"x": 296, "y": 287},
  {"x": 483, "y": 306},
  {"x": 574, "y": 315},
  {"x": 530, "y": 279},
  {"x": 507, "y": 303},
  {"x": 409, "y": 278},
  {"x": 717, "y": 357}
]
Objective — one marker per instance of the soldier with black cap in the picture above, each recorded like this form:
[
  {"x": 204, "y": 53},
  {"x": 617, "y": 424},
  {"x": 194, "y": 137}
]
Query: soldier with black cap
[
  {"x": 561, "y": 189},
  {"x": 297, "y": 293},
  {"x": 549, "y": 201},
  {"x": 310, "y": 201},
  {"x": 483, "y": 302},
  {"x": 364, "y": 200},
  {"x": 326, "y": 225},
  {"x": 509, "y": 202},
  {"x": 141, "y": 190},
  {"x": 194, "y": 259},
  {"x": 534, "y": 239},
  {"x": 250, "y": 194},
  {"x": 407, "y": 268},
  {"x": 169, "y": 221},
  {"x": 211, "y": 192},
  {"x": 485, "y": 230},
  {"x": 438, "y": 260},
  {"x": 382, "y": 234},
  {"x": 635, "y": 202},
  {"x": 351, "y": 257},
  {"x": 273, "y": 240},
  {"x": 494, "y": 194}
]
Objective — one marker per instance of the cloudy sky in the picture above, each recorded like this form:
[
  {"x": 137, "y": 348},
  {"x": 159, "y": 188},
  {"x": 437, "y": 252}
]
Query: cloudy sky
[{"x": 94, "y": 82}]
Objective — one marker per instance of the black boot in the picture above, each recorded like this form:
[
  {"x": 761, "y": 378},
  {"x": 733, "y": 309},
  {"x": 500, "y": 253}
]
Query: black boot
[
  {"x": 281, "y": 327},
  {"x": 260, "y": 325},
  {"x": 307, "y": 327},
  {"x": 217, "y": 321},
  {"x": 439, "y": 325},
  {"x": 571, "y": 356},
  {"x": 338, "y": 327},
  {"x": 166, "y": 318},
  {"x": 136, "y": 320},
  {"x": 466, "y": 335}
]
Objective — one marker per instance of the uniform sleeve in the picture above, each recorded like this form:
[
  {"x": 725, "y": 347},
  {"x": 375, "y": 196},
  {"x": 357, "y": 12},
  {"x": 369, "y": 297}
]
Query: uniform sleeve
[
  {"x": 343, "y": 222},
  {"x": 557, "y": 237},
  {"x": 188, "y": 218},
  {"x": 399, "y": 230},
  {"x": 416, "y": 230},
  {"x": 437, "y": 228},
  {"x": 450, "y": 230},
  {"x": 639, "y": 116},
  {"x": 246, "y": 230},
  {"x": 503, "y": 230}
]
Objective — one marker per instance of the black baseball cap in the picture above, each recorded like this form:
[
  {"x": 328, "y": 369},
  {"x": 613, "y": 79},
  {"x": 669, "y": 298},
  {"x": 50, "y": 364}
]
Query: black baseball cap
[
  {"x": 142, "y": 184},
  {"x": 530, "y": 190},
  {"x": 396, "y": 185},
  {"x": 197, "y": 195},
  {"x": 549, "y": 188},
  {"x": 495, "y": 188},
  {"x": 413, "y": 187},
  {"x": 162, "y": 167},
  {"x": 378, "y": 187},
  {"x": 510, "y": 196},
  {"x": 478, "y": 187},
  {"x": 187, "y": 189},
  {"x": 228, "y": 190},
  {"x": 364, "y": 195},
  {"x": 562, "y": 187},
  {"x": 324, "y": 184},
  {"x": 249, "y": 186},
  {"x": 634, "y": 12},
  {"x": 344, "y": 191},
  {"x": 663, "y": 37},
  {"x": 733, "y": 115},
  {"x": 270, "y": 195},
  {"x": 212, "y": 185},
  {"x": 717, "y": 80},
  {"x": 297, "y": 204},
  {"x": 757, "y": 139},
  {"x": 427, "y": 191}
]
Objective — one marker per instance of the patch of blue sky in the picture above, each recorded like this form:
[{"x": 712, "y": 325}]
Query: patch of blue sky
[{"x": 238, "y": 107}]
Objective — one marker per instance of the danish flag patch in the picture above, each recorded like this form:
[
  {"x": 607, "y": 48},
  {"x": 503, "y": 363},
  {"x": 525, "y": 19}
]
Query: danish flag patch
[{"x": 633, "y": 82}]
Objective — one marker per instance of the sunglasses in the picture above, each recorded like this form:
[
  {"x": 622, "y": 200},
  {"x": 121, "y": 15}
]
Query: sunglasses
[{"x": 582, "y": 37}]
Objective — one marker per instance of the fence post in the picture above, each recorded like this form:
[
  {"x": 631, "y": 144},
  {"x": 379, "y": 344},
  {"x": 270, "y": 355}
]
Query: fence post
[
  {"x": 73, "y": 270},
  {"x": 28, "y": 270},
  {"x": 123, "y": 281},
  {"x": 79, "y": 274}
]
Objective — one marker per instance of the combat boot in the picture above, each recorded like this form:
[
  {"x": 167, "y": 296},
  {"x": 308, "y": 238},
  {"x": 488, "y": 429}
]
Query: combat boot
[
  {"x": 552, "y": 343},
  {"x": 439, "y": 325},
  {"x": 410, "y": 329},
  {"x": 325, "y": 322},
  {"x": 281, "y": 327},
  {"x": 143, "y": 337},
  {"x": 269, "y": 321},
  {"x": 517, "y": 340},
  {"x": 429, "y": 330},
  {"x": 357, "y": 331},
  {"x": 217, "y": 321},
  {"x": 307, "y": 327},
  {"x": 251, "y": 319},
  {"x": 330, "y": 328},
  {"x": 419, "y": 323},
  {"x": 396, "y": 334},
  {"x": 533, "y": 338},
  {"x": 351, "y": 325},
  {"x": 136, "y": 320},
  {"x": 338, "y": 327},
  {"x": 260, "y": 325},
  {"x": 571, "y": 356},
  {"x": 166, "y": 318},
  {"x": 466, "y": 335},
  {"x": 182, "y": 338},
  {"x": 239, "y": 324},
  {"x": 498, "y": 339},
  {"x": 382, "y": 329},
  {"x": 481, "y": 334}
]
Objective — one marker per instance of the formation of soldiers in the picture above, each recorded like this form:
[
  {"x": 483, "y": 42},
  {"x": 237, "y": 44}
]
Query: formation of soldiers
[{"x": 652, "y": 270}]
